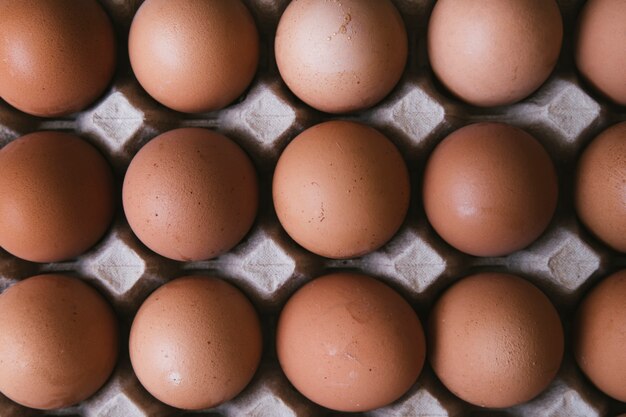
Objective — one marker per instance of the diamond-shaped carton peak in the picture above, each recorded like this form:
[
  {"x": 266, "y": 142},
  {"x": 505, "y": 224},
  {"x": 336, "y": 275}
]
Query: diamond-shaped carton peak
[
  {"x": 262, "y": 262},
  {"x": 115, "y": 121},
  {"x": 571, "y": 109},
  {"x": 270, "y": 394},
  {"x": 410, "y": 259},
  {"x": 263, "y": 115},
  {"x": 116, "y": 264},
  {"x": 414, "y": 112},
  {"x": 426, "y": 398},
  {"x": 561, "y": 257}
]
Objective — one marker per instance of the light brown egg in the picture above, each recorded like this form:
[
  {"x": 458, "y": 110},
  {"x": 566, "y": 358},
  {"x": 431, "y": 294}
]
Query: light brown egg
[
  {"x": 494, "y": 52},
  {"x": 600, "y": 51},
  {"x": 341, "y": 189},
  {"x": 190, "y": 194},
  {"x": 349, "y": 342},
  {"x": 600, "y": 336},
  {"x": 341, "y": 56},
  {"x": 195, "y": 342},
  {"x": 194, "y": 56},
  {"x": 495, "y": 340},
  {"x": 57, "y": 196},
  {"x": 490, "y": 189},
  {"x": 58, "y": 341},
  {"x": 601, "y": 187},
  {"x": 56, "y": 56}
]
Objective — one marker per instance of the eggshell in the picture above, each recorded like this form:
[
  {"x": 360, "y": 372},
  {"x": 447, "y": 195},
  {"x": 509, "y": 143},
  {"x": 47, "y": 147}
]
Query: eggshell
[
  {"x": 601, "y": 187},
  {"x": 600, "y": 52},
  {"x": 57, "y": 196},
  {"x": 194, "y": 56},
  {"x": 195, "y": 342},
  {"x": 58, "y": 341},
  {"x": 349, "y": 342},
  {"x": 341, "y": 189},
  {"x": 490, "y": 189},
  {"x": 341, "y": 56},
  {"x": 56, "y": 56},
  {"x": 495, "y": 340},
  {"x": 190, "y": 194},
  {"x": 494, "y": 52},
  {"x": 600, "y": 336}
]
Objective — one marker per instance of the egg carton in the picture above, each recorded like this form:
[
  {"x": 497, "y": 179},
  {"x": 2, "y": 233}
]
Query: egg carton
[{"x": 564, "y": 114}]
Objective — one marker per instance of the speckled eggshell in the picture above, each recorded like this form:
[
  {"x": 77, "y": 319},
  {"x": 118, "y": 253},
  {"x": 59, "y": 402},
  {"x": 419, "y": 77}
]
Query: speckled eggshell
[
  {"x": 58, "y": 341},
  {"x": 495, "y": 340},
  {"x": 601, "y": 187},
  {"x": 56, "y": 56},
  {"x": 195, "y": 342},
  {"x": 190, "y": 194},
  {"x": 194, "y": 56},
  {"x": 57, "y": 196},
  {"x": 600, "y": 336},
  {"x": 349, "y": 342},
  {"x": 341, "y": 56},
  {"x": 600, "y": 52},
  {"x": 494, "y": 52},
  {"x": 341, "y": 189},
  {"x": 490, "y": 189}
]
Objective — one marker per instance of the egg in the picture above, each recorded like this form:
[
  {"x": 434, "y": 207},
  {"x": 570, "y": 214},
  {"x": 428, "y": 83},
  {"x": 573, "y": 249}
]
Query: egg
[
  {"x": 599, "y": 51},
  {"x": 341, "y": 56},
  {"x": 495, "y": 340},
  {"x": 601, "y": 187},
  {"x": 194, "y": 56},
  {"x": 58, "y": 341},
  {"x": 341, "y": 189},
  {"x": 190, "y": 194},
  {"x": 489, "y": 189},
  {"x": 349, "y": 342},
  {"x": 57, "y": 196},
  {"x": 56, "y": 56},
  {"x": 494, "y": 52},
  {"x": 195, "y": 342},
  {"x": 600, "y": 335}
]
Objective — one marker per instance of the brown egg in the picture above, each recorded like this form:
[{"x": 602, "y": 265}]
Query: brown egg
[
  {"x": 57, "y": 196},
  {"x": 194, "y": 56},
  {"x": 341, "y": 56},
  {"x": 56, "y": 56},
  {"x": 495, "y": 340},
  {"x": 190, "y": 194},
  {"x": 58, "y": 341},
  {"x": 601, "y": 187},
  {"x": 600, "y": 51},
  {"x": 195, "y": 342},
  {"x": 341, "y": 189},
  {"x": 490, "y": 189},
  {"x": 494, "y": 52},
  {"x": 350, "y": 343},
  {"x": 600, "y": 336}
]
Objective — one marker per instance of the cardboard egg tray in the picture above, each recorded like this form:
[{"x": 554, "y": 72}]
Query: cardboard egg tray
[{"x": 565, "y": 114}]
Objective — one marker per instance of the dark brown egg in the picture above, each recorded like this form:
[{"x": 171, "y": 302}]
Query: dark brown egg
[
  {"x": 601, "y": 187},
  {"x": 494, "y": 52},
  {"x": 195, "y": 342},
  {"x": 194, "y": 56},
  {"x": 58, "y": 341},
  {"x": 56, "y": 56},
  {"x": 600, "y": 51},
  {"x": 190, "y": 194},
  {"x": 495, "y": 340},
  {"x": 600, "y": 336},
  {"x": 349, "y": 342},
  {"x": 341, "y": 56},
  {"x": 490, "y": 189},
  {"x": 57, "y": 196}
]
